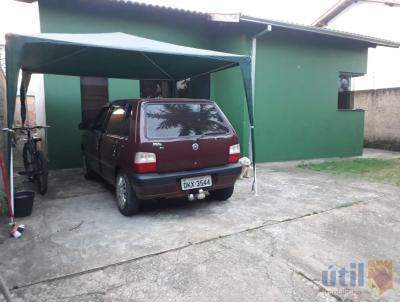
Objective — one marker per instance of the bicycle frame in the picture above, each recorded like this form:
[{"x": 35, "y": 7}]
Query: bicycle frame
[
  {"x": 35, "y": 163},
  {"x": 30, "y": 144},
  {"x": 31, "y": 148}
]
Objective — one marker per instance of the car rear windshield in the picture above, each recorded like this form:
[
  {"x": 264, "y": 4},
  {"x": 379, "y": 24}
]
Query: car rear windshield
[{"x": 182, "y": 120}]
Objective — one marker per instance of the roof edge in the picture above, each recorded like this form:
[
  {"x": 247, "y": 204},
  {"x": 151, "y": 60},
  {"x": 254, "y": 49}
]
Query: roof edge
[
  {"x": 337, "y": 9},
  {"x": 322, "y": 31},
  {"x": 247, "y": 18}
]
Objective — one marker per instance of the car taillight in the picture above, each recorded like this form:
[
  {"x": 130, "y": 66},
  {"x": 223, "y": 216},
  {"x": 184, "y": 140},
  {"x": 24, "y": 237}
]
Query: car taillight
[
  {"x": 145, "y": 162},
  {"x": 234, "y": 153}
]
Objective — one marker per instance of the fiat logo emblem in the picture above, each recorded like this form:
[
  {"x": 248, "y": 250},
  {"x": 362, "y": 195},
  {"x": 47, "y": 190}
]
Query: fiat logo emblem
[{"x": 195, "y": 146}]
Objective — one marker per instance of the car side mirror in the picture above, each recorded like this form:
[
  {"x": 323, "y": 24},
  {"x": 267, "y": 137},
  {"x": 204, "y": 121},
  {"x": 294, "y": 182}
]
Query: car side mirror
[{"x": 82, "y": 126}]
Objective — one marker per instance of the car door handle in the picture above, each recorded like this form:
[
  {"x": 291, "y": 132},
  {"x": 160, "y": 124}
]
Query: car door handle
[{"x": 115, "y": 148}]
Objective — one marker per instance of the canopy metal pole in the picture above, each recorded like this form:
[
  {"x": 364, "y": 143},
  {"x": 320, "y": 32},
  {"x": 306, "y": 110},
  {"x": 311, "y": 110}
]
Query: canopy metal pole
[
  {"x": 12, "y": 183},
  {"x": 156, "y": 65},
  {"x": 253, "y": 90},
  {"x": 10, "y": 174}
]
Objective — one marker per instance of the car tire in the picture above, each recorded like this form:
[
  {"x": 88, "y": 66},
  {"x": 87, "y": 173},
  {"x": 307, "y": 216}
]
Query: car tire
[
  {"x": 222, "y": 194},
  {"x": 88, "y": 173},
  {"x": 127, "y": 202},
  {"x": 28, "y": 162},
  {"x": 42, "y": 177}
]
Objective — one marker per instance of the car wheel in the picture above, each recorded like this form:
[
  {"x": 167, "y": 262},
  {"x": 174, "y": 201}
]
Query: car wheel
[
  {"x": 28, "y": 162},
  {"x": 43, "y": 173},
  {"x": 222, "y": 194},
  {"x": 128, "y": 203},
  {"x": 88, "y": 173}
]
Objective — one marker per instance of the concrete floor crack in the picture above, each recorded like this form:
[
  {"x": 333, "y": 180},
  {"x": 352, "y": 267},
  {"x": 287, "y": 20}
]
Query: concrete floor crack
[
  {"x": 177, "y": 248},
  {"x": 320, "y": 287}
]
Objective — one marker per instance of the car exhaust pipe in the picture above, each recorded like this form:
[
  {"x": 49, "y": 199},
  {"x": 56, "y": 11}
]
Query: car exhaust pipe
[{"x": 201, "y": 195}]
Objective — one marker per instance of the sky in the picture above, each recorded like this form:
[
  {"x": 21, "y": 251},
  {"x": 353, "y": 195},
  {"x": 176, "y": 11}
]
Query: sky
[
  {"x": 20, "y": 17},
  {"x": 381, "y": 21}
]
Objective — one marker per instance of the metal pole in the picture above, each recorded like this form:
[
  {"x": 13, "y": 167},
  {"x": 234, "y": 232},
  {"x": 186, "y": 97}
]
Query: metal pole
[
  {"x": 11, "y": 174},
  {"x": 251, "y": 129},
  {"x": 12, "y": 183},
  {"x": 253, "y": 71},
  {"x": 253, "y": 90}
]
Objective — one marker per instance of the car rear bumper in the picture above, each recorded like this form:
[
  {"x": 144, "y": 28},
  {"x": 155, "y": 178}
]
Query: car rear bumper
[{"x": 168, "y": 185}]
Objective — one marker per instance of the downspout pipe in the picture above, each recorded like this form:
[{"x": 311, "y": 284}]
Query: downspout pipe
[{"x": 253, "y": 90}]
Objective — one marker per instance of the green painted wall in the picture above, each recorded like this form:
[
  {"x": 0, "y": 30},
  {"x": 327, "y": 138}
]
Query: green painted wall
[
  {"x": 296, "y": 100},
  {"x": 296, "y": 86},
  {"x": 58, "y": 16},
  {"x": 63, "y": 114},
  {"x": 227, "y": 86},
  {"x": 123, "y": 89},
  {"x": 227, "y": 90}
]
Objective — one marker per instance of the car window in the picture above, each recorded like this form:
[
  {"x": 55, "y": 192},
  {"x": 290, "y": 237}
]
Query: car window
[
  {"x": 100, "y": 119},
  {"x": 118, "y": 123},
  {"x": 126, "y": 124},
  {"x": 180, "y": 120}
]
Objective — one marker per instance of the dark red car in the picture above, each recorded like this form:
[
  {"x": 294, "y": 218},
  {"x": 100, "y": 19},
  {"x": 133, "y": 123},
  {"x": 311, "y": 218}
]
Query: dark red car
[{"x": 162, "y": 148}]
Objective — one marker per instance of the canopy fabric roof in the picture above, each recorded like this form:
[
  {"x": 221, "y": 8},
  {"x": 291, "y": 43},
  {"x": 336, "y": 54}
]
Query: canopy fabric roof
[
  {"x": 115, "y": 55},
  {"x": 119, "y": 55}
]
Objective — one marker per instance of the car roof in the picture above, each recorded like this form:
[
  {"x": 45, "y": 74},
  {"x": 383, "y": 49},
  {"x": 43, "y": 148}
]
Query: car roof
[{"x": 159, "y": 100}]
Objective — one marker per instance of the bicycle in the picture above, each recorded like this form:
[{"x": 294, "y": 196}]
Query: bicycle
[{"x": 35, "y": 163}]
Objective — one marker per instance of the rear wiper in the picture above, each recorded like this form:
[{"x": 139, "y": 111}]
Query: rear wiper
[{"x": 209, "y": 133}]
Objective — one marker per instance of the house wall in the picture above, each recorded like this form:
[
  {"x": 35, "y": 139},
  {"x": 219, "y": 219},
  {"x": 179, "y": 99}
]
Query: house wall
[
  {"x": 3, "y": 109},
  {"x": 296, "y": 99},
  {"x": 382, "y": 111},
  {"x": 296, "y": 86},
  {"x": 227, "y": 86},
  {"x": 3, "y": 123},
  {"x": 296, "y": 95},
  {"x": 30, "y": 112}
]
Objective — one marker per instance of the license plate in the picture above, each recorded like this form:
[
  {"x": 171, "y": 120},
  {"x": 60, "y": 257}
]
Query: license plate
[{"x": 196, "y": 182}]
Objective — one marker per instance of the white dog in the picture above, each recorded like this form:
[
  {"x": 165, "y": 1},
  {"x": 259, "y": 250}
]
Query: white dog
[{"x": 246, "y": 167}]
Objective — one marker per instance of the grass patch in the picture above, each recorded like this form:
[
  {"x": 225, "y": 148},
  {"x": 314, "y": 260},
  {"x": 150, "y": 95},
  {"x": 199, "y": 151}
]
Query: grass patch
[{"x": 379, "y": 170}]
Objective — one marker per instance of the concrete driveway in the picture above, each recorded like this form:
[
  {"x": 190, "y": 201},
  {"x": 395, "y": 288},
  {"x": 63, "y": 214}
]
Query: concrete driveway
[{"x": 271, "y": 247}]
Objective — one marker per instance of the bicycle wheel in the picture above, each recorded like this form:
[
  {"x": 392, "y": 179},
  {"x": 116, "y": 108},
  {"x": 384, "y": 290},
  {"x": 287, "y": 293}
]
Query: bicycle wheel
[
  {"x": 42, "y": 172},
  {"x": 27, "y": 156}
]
